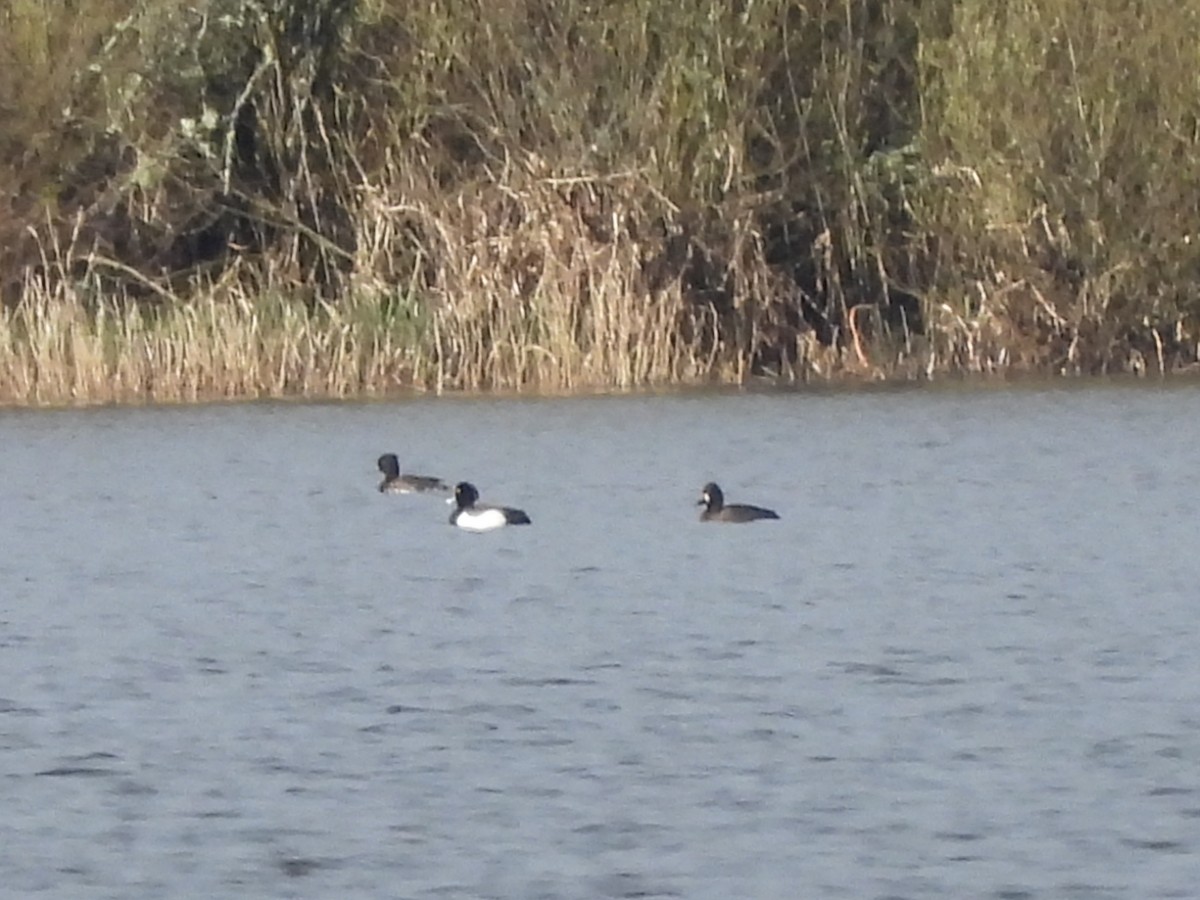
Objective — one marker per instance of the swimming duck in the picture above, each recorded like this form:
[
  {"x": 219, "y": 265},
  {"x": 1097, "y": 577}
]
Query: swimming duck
[
  {"x": 396, "y": 483},
  {"x": 716, "y": 510},
  {"x": 471, "y": 515}
]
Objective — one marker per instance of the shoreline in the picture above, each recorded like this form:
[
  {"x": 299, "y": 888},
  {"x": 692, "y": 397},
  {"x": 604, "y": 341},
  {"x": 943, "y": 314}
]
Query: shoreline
[{"x": 838, "y": 385}]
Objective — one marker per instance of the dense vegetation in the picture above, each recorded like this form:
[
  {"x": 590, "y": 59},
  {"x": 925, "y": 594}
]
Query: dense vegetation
[{"x": 240, "y": 198}]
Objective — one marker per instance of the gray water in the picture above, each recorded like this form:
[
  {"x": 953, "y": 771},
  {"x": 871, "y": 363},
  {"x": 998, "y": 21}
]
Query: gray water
[{"x": 963, "y": 663}]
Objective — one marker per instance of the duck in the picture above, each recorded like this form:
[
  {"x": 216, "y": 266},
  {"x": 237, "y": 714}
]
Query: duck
[
  {"x": 471, "y": 515},
  {"x": 396, "y": 483},
  {"x": 717, "y": 510}
]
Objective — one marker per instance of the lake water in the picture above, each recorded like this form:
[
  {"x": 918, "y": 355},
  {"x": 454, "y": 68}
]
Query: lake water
[{"x": 964, "y": 663}]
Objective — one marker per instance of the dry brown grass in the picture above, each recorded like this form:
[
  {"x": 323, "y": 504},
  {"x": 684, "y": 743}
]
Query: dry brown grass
[
  {"x": 538, "y": 306},
  {"x": 55, "y": 349},
  {"x": 521, "y": 294}
]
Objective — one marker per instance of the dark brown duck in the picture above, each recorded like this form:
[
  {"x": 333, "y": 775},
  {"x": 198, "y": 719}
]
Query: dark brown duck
[
  {"x": 395, "y": 482},
  {"x": 717, "y": 510}
]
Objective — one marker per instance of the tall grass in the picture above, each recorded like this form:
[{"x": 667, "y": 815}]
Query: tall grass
[
  {"x": 1065, "y": 144},
  {"x": 223, "y": 346},
  {"x": 337, "y": 197}
]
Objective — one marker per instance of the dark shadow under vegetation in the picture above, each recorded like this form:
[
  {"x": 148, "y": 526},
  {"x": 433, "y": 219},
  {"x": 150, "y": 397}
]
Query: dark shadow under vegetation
[{"x": 340, "y": 197}]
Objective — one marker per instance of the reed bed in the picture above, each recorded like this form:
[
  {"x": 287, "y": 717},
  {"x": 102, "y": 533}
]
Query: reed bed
[
  {"x": 353, "y": 197},
  {"x": 58, "y": 350}
]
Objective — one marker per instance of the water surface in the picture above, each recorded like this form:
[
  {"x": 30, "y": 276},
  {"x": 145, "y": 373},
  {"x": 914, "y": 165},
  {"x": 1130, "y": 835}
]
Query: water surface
[{"x": 962, "y": 664}]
